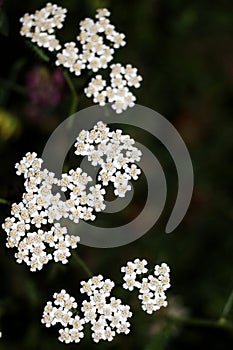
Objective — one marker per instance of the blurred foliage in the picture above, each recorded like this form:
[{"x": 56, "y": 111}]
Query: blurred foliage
[
  {"x": 184, "y": 51},
  {"x": 9, "y": 125}
]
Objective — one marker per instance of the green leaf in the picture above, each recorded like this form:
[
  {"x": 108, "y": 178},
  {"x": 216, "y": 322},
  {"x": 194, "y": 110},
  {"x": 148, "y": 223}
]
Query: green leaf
[{"x": 4, "y": 25}]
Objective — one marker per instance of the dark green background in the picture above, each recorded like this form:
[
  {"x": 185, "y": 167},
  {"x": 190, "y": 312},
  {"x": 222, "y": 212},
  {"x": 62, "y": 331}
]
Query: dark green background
[{"x": 183, "y": 50}]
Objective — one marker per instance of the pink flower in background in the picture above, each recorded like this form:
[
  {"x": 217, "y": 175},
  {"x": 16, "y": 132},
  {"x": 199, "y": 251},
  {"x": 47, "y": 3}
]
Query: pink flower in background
[
  {"x": 1, "y": 3},
  {"x": 45, "y": 87}
]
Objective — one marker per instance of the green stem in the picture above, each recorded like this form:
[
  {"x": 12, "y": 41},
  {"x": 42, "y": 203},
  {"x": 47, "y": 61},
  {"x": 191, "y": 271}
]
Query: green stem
[
  {"x": 74, "y": 102},
  {"x": 198, "y": 322},
  {"x": 39, "y": 52},
  {"x": 4, "y": 201},
  {"x": 81, "y": 263},
  {"x": 227, "y": 308}
]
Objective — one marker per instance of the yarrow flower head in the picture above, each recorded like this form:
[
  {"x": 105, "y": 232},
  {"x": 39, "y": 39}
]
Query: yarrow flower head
[
  {"x": 107, "y": 315},
  {"x": 34, "y": 226},
  {"x": 118, "y": 91},
  {"x": 93, "y": 50},
  {"x": 27, "y": 228},
  {"x": 97, "y": 40},
  {"x": 114, "y": 152},
  {"x": 151, "y": 288},
  {"x": 40, "y": 26},
  {"x": 61, "y": 312}
]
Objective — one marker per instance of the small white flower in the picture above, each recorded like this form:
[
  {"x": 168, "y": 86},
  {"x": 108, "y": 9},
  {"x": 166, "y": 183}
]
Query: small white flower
[
  {"x": 100, "y": 98},
  {"x": 102, "y": 13},
  {"x": 161, "y": 270},
  {"x": 118, "y": 40},
  {"x": 65, "y": 335},
  {"x": 96, "y": 85},
  {"x": 77, "y": 67},
  {"x": 133, "y": 171},
  {"x": 119, "y": 106},
  {"x": 130, "y": 282},
  {"x": 140, "y": 266}
]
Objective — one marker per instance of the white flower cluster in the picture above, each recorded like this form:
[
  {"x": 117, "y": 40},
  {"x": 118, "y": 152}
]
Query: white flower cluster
[
  {"x": 40, "y": 26},
  {"x": 107, "y": 315},
  {"x": 90, "y": 51},
  {"x": 62, "y": 311},
  {"x": 82, "y": 200},
  {"x": 94, "y": 53},
  {"x": 117, "y": 92},
  {"x": 34, "y": 227},
  {"x": 39, "y": 209},
  {"x": 114, "y": 152},
  {"x": 151, "y": 288}
]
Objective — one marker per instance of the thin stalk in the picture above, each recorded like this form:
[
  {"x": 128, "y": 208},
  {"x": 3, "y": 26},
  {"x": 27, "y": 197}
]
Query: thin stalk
[
  {"x": 39, "y": 52},
  {"x": 198, "y": 322},
  {"x": 74, "y": 101},
  {"x": 81, "y": 263},
  {"x": 227, "y": 308}
]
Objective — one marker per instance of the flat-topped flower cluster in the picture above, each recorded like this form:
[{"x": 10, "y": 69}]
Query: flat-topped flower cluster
[
  {"x": 40, "y": 26},
  {"x": 107, "y": 315},
  {"x": 151, "y": 288},
  {"x": 115, "y": 154},
  {"x": 93, "y": 50},
  {"x": 34, "y": 227}
]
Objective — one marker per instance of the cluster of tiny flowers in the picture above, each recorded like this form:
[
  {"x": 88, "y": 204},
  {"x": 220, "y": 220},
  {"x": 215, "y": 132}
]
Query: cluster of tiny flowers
[
  {"x": 93, "y": 50},
  {"x": 114, "y": 153},
  {"x": 107, "y": 315},
  {"x": 83, "y": 199},
  {"x": 151, "y": 288},
  {"x": 27, "y": 228},
  {"x": 61, "y": 311},
  {"x": 34, "y": 227},
  {"x": 40, "y": 26},
  {"x": 117, "y": 93},
  {"x": 95, "y": 54}
]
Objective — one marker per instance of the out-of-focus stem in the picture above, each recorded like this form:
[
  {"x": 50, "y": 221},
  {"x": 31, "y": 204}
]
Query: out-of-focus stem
[
  {"x": 227, "y": 308},
  {"x": 39, "y": 52},
  {"x": 81, "y": 263},
  {"x": 74, "y": 101},
  {"x": 4, "y": 201},
  {"x": 199, "y": 322}
]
